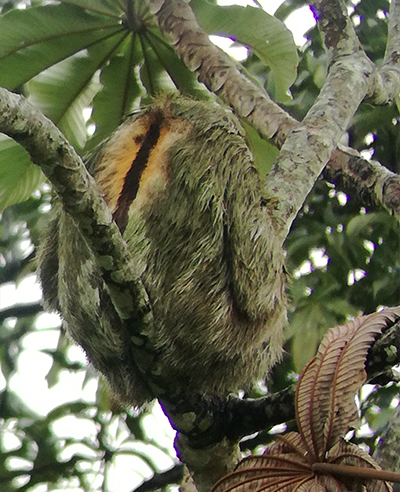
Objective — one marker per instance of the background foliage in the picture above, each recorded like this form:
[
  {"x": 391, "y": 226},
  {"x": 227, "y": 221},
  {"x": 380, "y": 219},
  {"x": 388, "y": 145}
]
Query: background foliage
[{"x": 110, "y": 56}]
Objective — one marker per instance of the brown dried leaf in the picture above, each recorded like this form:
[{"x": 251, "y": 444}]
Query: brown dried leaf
[
  {"x": 281, "y": 467},
  {"x": 308, "y": 423},
  {"x": 286, "y": 444},
  {"x": 350, "y": 372},
  {"x": 285, "y": 467},
  {"x": 325, "y": 405},
  {"x": 312, "y": 487}
]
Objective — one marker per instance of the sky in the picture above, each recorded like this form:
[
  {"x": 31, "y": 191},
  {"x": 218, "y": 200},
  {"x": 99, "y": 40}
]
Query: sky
[{"x": 33, "y": 366}]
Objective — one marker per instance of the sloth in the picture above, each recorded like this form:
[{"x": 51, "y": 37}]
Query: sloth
[{"x": 179, "y": 180}]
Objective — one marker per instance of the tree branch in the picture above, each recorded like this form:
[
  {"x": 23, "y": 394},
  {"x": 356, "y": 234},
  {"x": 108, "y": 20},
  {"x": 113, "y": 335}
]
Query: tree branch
[
  {"x": 373, "y": 183},
  {"x": 388, "y": 86},
  {"x": 161, "y": 480},
  {"x": 221, "y": 76},
  {"x": 81, "y": 198},
  {"x": 387, "y": 452},
  {"x": 336, "y": 27},
  {"x": 206, "y": 422},
  {"x": 208, "y": 465},
  {"x": 218, "y": 72},
  {"x": 348, "y": 82},
  {"x": 21, "y": 311}
]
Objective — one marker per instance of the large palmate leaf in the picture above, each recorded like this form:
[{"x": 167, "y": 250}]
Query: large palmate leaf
[
  {"x": 173, "y": 65},
  {"x": 64, "y": 50},
  {"x": 74, "y": 78},
  {"x": 34, "y": 39},
  {"x": 120, "y": 88},
  {"x": 37, "y": 38},
  {"x": 104, "y": 7},
  {"x": 267, "y": 36}
]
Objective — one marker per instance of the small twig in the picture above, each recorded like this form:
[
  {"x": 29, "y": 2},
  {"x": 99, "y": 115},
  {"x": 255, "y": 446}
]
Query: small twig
[
  {"x": 389, "y": 73},
  {"x": 21, "y": 311},
  {"x": 373, "y": 183},
  {"x": 81, "y": 198},
  {"x": 160, "y": 480}
]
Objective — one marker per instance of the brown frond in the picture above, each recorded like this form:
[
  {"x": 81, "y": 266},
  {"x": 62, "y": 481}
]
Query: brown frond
[{"x": 318, "y": 459}]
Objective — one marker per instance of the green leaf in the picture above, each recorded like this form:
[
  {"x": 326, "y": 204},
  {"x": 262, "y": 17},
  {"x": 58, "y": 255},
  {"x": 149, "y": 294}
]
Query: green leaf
[
  {"x": 120, "y": 89},
  {"x": 308, "y": 325},
  {"x": 64, "y": 90},
  {"x": 103, "y": 396},
  {"x": 264, "y": 153},
  {"x": 69, "y": 408},
  {"x": 267, "y": 36},
  {"x": 183, "y": 78},
  {"x": 152, "y": 73},
  {"x": 341, "y": 307},
  {"x": 288, "y": 7},
  {"x": 299, "y": 247},
  {"x": 360, "y": 225},
  {"x": 104, "y": 7},
  {"x": 34, "y": 39},
  {"x": 19, "y": 178},
  {"x": 380, "y": 285}
]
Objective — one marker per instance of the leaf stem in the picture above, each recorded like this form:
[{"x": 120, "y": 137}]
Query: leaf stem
[{"x": 354, "y": 471}]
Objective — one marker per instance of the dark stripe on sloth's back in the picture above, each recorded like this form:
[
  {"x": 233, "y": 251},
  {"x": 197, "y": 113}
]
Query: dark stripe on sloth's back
[{"x": 132, "y": 178}]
